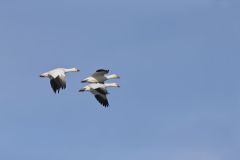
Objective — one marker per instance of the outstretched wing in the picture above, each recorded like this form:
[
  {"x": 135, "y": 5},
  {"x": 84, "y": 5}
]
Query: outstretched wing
[
  {"x": 58, "y": 83},
  {"x": 102, "y": 99},
  {"x": 100, "y": 72}
]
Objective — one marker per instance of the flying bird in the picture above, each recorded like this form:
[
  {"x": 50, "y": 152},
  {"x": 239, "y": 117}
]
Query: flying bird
[
  {"x": 100, "y": 76},
  {"x": 100, "y": 92},
  {"x": 57, "y": 77}
]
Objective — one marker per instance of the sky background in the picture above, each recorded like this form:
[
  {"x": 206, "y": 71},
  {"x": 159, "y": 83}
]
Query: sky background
[{"x": 179, "y": 65}]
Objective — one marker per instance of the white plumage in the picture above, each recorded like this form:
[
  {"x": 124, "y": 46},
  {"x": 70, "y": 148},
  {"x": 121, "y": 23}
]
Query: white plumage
[
  {"x": 57, "y": 77},
  {"x": 100, "y": 76},
  {"x": 99, "y": 91}
]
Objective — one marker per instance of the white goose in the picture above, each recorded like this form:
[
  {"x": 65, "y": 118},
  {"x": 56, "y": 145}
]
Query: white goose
[
  {"x": 57, "y": 77},
  {"x": 100, "y": 92},
  {"x": 100, "y": 77}
]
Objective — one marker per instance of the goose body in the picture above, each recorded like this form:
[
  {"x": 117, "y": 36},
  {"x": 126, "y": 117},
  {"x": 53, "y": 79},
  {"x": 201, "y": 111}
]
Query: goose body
[
  {"x": 57, "y": 77},
  {"x": 100, "y": 76},
  {"x": 100, "y": 92}
]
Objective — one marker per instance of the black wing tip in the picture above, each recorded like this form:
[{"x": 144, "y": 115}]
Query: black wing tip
[
  {"x": 58, "y": 90},
  {"x": 57, "y": 85},
  {"x": 105, "y": 105},
  {"x": 103, "y": 70},
  {"x": 103, "y": 102}
]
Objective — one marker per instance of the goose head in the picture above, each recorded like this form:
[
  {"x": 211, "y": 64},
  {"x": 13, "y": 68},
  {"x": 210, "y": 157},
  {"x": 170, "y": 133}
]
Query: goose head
[
  {"x": 115, "y": 85},
  {"x": 113, "y": 76},
  {"x": 76, "y": 70},
  {"x": 66, "y": 70}
]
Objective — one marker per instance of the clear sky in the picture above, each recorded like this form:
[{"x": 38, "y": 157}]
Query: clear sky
[{"x": 179, "y": 65}]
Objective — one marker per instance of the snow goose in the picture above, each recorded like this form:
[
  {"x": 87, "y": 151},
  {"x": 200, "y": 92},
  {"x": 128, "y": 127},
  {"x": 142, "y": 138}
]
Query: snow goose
[
  {"x": 57, "y": 77},
  {"x": 100, "y": 92},
  {"x": 100, "y": 76}
]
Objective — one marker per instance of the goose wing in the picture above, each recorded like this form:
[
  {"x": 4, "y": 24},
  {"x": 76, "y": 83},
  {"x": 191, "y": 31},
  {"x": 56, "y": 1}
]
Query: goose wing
[
  {"x": 58, "y": 83},
  {"x": 102, "y": 91},
  {"x": 100, "y": 94},
  {"x": 102, "y": 99},
  {"x": 100, "y": 72}
]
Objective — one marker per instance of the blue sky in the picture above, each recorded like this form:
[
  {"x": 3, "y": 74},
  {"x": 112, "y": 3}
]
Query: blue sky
[{"x": 179, "y": 65}]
